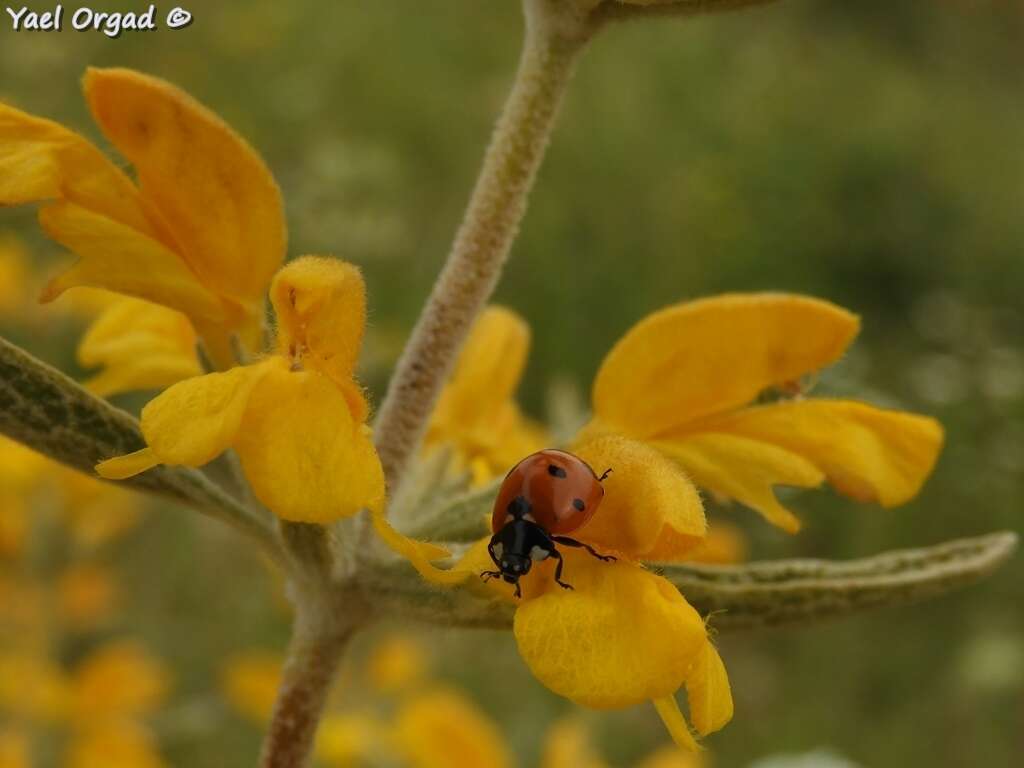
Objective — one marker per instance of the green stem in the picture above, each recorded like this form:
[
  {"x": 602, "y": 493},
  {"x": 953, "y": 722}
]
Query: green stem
[{"x": 555, "y": 34}]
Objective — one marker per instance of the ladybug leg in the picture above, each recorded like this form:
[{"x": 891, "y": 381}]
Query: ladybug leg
[
  {"x": 519, "y": 590},
  {"x": 558, "y": 570},
  {"x": 573, "y": 543},
  {"x": 488, "y": 575}
]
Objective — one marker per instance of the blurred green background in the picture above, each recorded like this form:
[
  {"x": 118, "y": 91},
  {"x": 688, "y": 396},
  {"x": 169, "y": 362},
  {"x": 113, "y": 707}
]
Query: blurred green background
[{"x": 870, "y": 153}]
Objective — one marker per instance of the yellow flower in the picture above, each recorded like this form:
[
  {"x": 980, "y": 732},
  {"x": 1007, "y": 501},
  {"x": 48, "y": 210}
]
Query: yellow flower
[
  {"x": 86, "y": 595},
  {"x": 476, "y": 413},
  {"x": 567, "y": 745},
  {"x": 724, "y": 544},
  {"x": 32, "y": 687},
  {"x": 15, "y": 276},
  {"x": 249, "y": 682},
  {"x": 348, "y": 739},
  {"x": 684, "y": 380},
  {"x": 139, "y": 345},
  {"x": 396, "y": 664},
  {"x": 440, "y": 728},
  {"x": 124, "y": 744},
  {"x": 14, "y": 748},
  {"x": 201, "y": 230},
  {"x": 297, "y": 418},
  {"x": 116, "y": 681},
  {"x": 622, "y": 635}
]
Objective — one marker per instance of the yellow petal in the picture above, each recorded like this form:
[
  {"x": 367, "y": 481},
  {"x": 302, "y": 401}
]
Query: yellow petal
[
  {"x": 119, "y": 679},
  {"x": 867, "y": 453},
  {"x": 215, "y": 193},
  {"x": 129, "y": 465},
  {"x": 678, "y": 728},
  {"x": 702, "y": 357},
  {"x": 308, "y": 460},
  {"x": 708, "y": 692},
  {"x": 724, "y": 544},
  {"x": 395, "y": 664},
  {"x": 623, "y": 635},
  {"x": 122, "y": 259},
  {"x": 86, "y": 595},
  {"x": 487, "y": 371},
  {"x": 140, "y": 345},
  {"x": 14, "y": 747},
  {"x": 193, "y": 421},
  {"x": 745, "y": 470},
  {"x": 670, "y": 757},
  {"x": 650, "y": 508},
  {"x": 320, "y": 304},
  {"x": 41, "y": 160},
  {"x": 443, "y": 729},
  {"x": 32, "y": 687}
]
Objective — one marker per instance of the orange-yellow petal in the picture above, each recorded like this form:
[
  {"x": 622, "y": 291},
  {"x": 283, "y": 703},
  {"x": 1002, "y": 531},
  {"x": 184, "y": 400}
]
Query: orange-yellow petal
[
  {"x": 443, "y": 729},
  {"x": 867, "y": 453},
  {"x": 140, "y": 346},
  {"x": 724, "y": 544},
  {"x": 418, "y": 553},
  {"x": 346, "y": 739},
  {"x": 320, "y": 304},
  {"x": 567, "y": 745},
  {"x": 745, "y": 470},
  {"x": 129, "y": 465},
  {"x": 306, "y": 457},
  {"x": 623, "y": 635},
  {"x": 703, "y": 357},
  {"x": 650, "y": 509},
  {"x": 42, "y": 160},
  {"x": 215, "y": 193},
  {"x": 708, "y": 691},
  {"x": 125, "y": 260}
]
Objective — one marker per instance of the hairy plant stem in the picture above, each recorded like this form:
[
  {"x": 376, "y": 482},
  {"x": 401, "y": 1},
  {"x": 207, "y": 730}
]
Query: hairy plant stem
[
  {"x": 555, "y": 34},
  {"x": 320, "y": 633}
]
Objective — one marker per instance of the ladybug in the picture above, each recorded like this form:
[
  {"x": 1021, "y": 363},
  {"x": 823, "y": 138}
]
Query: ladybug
[{"x": 546, "y": 495}]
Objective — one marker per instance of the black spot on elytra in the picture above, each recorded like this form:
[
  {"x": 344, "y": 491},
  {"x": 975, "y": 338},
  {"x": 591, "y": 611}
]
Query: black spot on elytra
[
  {"x": 578, "y": 503},
  {"x": 555, "y": 471}
]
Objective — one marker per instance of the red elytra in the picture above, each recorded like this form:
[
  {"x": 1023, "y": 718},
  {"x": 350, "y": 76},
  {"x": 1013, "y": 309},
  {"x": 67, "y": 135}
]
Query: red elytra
[{"x": 561, "y": 490}]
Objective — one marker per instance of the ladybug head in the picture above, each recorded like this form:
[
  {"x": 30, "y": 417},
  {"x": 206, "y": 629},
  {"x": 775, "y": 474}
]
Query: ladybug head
[{"x": 506, "y": 550}]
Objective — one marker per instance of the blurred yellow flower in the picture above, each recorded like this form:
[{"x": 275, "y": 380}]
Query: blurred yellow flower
[
  {"x": 440, "y": 728},
  {"x": 724, "y": 544},
  {"x": 349, "y": 739},
  {"x": 32, "y": 687},
  {"x": 14, "y": 748},
  {"x": 476, "y": 413},
  {"x": 683, "y": 380},
  {"x": 86, "y": 595},
  {"x": 15, "y": 275},
  {"x": 395, "y": 664},
  {"x": 567, "y": 745},
  {"x": 118, "y": 680},
  {"x": 120, "y": 743},
  {"x": 201, "y": 230},
  {"x": 249, "y": 682},
  {"x": 139, "y": 345}
]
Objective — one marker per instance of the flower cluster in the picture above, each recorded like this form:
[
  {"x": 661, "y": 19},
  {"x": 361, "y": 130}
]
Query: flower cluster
[{"x": 197, "y": 240}]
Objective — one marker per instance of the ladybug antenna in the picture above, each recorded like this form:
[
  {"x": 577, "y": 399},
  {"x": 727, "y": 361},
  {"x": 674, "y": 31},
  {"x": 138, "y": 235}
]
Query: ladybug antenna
[{"x": 606, "y": 473}]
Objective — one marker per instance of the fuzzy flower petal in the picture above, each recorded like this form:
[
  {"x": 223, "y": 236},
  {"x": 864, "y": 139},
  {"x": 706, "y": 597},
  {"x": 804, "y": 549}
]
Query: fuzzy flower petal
[
  {"x": 867, "y": 453},
  {"x": 708, "y": 691},
  {"x": 140, "y": 346},
  {"x": 306, "y": 457},
  {"x": 650, "y": 510},
  {"x": 702, "y": 357},
  {"x": 215, "y": 193},
  {"x": 624, "y": 635},
  {"x": 320, "y": 305}
]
